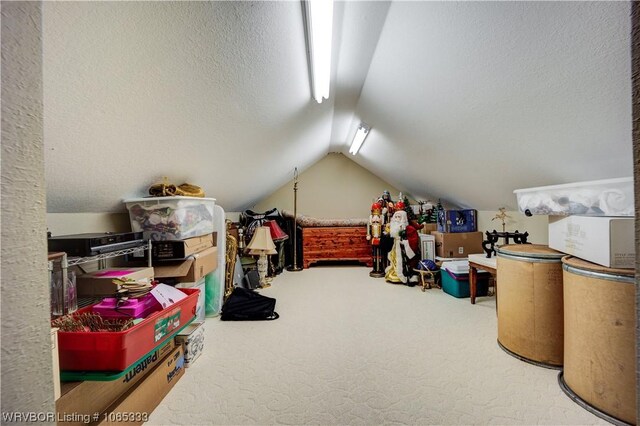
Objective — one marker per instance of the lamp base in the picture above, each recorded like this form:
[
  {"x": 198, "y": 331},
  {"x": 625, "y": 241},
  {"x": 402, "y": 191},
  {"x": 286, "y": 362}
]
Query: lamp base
[
  {"x": 294, "y": 268},
  {"x": 266, "y": 283}
]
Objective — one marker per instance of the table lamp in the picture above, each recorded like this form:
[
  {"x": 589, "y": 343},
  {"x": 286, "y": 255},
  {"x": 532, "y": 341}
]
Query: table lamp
[
  {"x": 279, "y": 237},
  {"x": 261, "y": 244},
  {"x": 277, "y": 234}
]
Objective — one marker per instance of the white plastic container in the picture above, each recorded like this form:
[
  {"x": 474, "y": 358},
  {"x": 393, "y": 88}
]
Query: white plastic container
[
  {"x": 608, "y": 197},
  {"x": 171, "y": 218}
]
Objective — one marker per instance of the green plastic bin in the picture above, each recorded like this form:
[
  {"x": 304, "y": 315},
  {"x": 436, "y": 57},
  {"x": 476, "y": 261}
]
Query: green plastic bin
[{"x": 457, "y": 285}]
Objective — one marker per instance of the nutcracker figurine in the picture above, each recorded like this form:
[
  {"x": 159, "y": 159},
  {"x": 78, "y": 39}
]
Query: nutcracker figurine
[{"x": 374, "y": 233}]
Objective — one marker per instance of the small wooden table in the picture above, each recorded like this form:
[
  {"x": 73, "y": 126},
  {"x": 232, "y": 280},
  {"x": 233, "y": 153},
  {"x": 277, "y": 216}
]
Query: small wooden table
[
  {"x": 480, "y": 261},
  {"x": 427, "y": 278}
]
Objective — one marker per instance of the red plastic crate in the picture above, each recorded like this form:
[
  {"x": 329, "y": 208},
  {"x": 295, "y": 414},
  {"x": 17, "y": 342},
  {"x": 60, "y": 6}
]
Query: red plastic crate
[{"x": 116, "y": 351}]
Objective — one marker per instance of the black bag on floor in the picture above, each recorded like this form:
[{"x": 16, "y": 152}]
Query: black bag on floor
[{"x": 247, "y": 305}]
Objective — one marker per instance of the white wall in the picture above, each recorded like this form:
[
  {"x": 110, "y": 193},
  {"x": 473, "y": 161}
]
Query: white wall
[
  {"x": 336, "y": 187},
  {"x": 77, "y": 223},
  {"x": 333, "y": 188},
  {"x": 537, "y": 226},
  {"x": 27, "y": 378}
]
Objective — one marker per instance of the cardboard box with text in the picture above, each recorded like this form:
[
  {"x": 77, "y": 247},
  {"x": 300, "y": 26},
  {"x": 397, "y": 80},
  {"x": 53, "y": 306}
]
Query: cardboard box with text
[
  {"x": 607, "y": 241},
  {"x": 138, "y": 403},
  {"x": 85, "y": 399}
]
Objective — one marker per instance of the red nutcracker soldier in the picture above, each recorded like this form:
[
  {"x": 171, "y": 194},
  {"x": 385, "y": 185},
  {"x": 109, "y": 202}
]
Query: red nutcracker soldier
[
  {"x": 386, "y": 241},
  {"x": 374, "y": 232}
]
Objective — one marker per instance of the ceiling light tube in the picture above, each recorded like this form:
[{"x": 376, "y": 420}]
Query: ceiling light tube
[
  {"x": 358, "y": 139},
  {"x": 319, "y": 14}
]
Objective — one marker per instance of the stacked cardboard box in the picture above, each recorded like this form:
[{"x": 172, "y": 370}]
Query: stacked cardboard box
[
  {"x": 185, "y": 263},
  {"x": 465, "y": 220},
  {"x": 604, "y": 240},
  {"x": 456, "y": 235},
  {"x": 82, "y": 401},
  {"x": 457, "y": 244},
  {"x": 100, "y": 283},
  {"x": 192, "y": 341},
  {"x": 135, "y": 406}
]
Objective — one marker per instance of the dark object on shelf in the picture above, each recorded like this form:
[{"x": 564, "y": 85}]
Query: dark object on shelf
[
  {"x": 248, "y": 305},
  {"x": 93, "y": 244},
  {"x": 488, "y": 245},
  {"x": 180, "y": 249}
]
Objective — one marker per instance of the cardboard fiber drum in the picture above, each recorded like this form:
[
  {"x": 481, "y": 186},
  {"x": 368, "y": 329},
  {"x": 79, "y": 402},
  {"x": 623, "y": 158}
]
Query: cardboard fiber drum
[
  {"x": 529, "y": 299},
  {"x": 599, "y": 320}
]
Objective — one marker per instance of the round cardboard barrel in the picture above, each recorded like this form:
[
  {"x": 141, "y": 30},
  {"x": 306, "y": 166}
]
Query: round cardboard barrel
[
  {"x": 599, "y": 339},
  {"x": 529, "y": 300}
]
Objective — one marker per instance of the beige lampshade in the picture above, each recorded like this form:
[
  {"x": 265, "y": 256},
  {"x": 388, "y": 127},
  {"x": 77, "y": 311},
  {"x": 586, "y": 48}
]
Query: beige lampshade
[{"x": 261, "y": 243}]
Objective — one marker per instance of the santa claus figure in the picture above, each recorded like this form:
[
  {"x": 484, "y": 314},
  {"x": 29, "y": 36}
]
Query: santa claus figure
[{"x": 404, "y": 253}]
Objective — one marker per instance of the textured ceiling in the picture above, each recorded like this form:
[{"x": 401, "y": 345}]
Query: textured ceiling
[
  {"x": 468, "y": 101},
  {"x": 472, "y": 100}
]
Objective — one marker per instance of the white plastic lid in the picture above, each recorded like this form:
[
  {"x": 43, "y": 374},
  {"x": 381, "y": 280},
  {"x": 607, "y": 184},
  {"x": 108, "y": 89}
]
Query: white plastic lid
[
  {"x": 457, "y": 266},
  {"x": 591, "y": 183}
]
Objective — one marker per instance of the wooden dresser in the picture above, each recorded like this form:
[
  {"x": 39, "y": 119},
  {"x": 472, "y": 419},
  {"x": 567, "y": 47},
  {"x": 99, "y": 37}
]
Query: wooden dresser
[{"x": 335, "y": 243}]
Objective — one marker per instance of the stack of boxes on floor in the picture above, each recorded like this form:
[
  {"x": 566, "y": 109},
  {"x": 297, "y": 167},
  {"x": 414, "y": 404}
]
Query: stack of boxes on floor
[
  {"x": 455, "y": 238},
  {"x": 599, "y": 300},
  {"x": 180, "y": 259},
  {"x": 581, "y": 288},
  {"x": 188, "y": 264}
]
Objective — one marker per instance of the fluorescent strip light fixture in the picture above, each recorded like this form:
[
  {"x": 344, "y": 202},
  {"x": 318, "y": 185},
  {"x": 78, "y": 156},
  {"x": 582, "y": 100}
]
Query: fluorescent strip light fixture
[
  {"x": 358, "y": 139},
  {"x": 319, "y": 20}
]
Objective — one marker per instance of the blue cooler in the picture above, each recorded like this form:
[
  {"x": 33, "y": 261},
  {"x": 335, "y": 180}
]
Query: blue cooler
[{"x": 457, "y": 285}]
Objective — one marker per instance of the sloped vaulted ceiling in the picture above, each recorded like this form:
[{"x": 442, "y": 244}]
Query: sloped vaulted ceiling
[
  {"x": 214, "y": 93},
  {"x": 472, "y": 100},
  {"x": 468, "y": 101}
]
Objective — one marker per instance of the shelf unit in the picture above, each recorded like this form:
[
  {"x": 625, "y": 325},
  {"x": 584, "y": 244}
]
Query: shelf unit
[
  {"x": 66, "y": 262},
  {"x": 101, "y": 258}
]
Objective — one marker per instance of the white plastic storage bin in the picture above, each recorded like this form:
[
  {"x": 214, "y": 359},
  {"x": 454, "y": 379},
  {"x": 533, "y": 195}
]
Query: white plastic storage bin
[
  {"x": 608, "y": 197},
  {"x": 171, "y": 218}
]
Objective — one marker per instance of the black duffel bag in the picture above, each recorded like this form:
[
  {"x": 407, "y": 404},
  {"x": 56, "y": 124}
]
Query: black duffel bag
[{"x": 248, "y": 305}]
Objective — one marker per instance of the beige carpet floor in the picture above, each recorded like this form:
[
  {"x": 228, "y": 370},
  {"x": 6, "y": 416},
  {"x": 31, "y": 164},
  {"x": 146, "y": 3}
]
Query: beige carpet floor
[{"x": 350, "y": 349}]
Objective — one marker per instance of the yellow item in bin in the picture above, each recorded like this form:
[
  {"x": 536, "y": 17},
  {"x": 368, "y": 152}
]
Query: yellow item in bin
[
  {"x": 189, "y": 190},
  {"x": 167, "y": 189}
]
